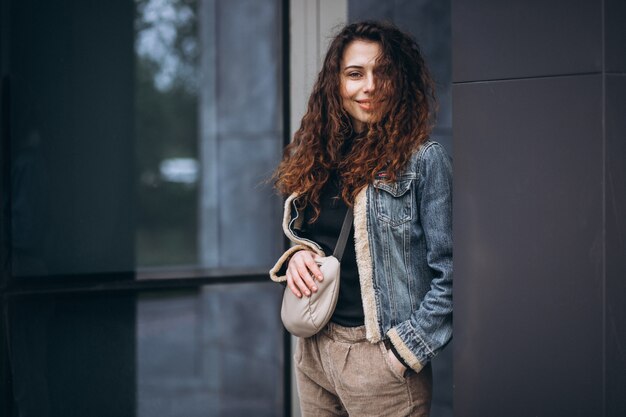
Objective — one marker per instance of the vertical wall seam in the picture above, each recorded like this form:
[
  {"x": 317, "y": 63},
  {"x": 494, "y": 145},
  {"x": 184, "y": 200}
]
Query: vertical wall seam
[
  {"x": 284, "y": 10},
  {"x": 604, "y": 216}
]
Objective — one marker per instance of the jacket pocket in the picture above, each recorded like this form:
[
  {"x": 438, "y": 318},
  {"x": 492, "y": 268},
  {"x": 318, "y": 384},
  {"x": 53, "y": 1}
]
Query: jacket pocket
[{"x": 394, "y": 200}]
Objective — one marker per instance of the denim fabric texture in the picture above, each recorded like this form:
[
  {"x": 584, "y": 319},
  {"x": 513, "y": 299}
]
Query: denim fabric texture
[{"x": 403, "y": 242}]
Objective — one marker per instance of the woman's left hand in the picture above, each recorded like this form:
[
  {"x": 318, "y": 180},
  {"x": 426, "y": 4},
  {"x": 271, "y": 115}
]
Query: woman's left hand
[{"x": 397, "y": 365}]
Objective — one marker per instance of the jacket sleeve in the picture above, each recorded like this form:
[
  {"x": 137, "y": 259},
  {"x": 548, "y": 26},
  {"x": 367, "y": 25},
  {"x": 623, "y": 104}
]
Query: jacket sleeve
[{"x": 429, "y": 328}]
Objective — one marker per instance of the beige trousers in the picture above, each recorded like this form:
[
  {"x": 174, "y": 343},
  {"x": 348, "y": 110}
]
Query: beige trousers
[{"x": 340, "y": 373}]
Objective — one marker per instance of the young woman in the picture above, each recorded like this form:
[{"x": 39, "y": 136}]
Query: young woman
[{"x": 364, "y": 143}]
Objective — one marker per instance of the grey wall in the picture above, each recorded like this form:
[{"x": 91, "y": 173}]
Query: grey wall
[{"x": 539, "y": 137}]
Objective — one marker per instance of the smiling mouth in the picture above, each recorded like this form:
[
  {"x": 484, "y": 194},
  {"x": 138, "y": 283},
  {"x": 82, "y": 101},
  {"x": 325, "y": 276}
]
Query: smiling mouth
[{"x": 365, "y": 105}]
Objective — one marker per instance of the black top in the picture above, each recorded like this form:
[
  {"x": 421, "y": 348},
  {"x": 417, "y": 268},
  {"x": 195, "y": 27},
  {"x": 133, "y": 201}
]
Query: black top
[{"x": 325, "y": 231}]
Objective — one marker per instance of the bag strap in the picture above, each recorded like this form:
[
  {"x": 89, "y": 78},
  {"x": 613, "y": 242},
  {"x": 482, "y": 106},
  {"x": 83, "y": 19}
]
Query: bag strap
[{"x": 343, "y": 236}]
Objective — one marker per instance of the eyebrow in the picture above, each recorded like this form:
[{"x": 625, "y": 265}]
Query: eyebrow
[{"x": 353, "y": 66}]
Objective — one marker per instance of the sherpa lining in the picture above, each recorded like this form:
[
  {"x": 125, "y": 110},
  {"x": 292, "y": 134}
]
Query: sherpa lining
[
  {"x": 404, "y": 351},
  {"x": 284, "y": 258},
  {"x": 300, "y": 244},
  {"x": 364, "y": 264},
  {"x": 290, "y": 235}
]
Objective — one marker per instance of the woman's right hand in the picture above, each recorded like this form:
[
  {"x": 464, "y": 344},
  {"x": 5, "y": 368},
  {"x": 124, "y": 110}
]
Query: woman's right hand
[{"x": 302, "y": 273}]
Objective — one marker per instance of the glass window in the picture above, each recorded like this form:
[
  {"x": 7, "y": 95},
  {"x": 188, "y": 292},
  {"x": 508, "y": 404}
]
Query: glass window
[
  {"x": 204, "y": 352},
  {"x": 208, "y": 132},
  {"x": 143, "y": 134},
  {"x": 210, "y": 352},
  {"x": 139, "y": 136}
]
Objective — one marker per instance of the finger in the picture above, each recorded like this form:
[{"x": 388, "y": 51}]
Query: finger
[
  {"x": 305, "y": 274},
  {"x": 299, "y": 282},
  {"x": 292, "y": 269},
  {"x": 314, "y": 268},
  {"x": 292, "y": 286},
  {"x": 308, "y": 259}
]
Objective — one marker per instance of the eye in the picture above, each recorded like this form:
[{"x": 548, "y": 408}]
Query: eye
[{"x": 354, "y": 74}]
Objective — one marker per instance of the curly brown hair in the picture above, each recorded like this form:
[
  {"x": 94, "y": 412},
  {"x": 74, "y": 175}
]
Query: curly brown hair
[{"x": 401, "y": 124}]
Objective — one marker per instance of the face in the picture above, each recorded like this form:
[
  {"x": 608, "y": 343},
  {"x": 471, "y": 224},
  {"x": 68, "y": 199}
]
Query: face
[{"x": 357, "y": 81}]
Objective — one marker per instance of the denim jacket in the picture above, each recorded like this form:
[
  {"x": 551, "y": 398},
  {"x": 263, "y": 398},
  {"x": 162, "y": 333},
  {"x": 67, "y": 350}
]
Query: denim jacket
[{"x": 403, "y": 241}]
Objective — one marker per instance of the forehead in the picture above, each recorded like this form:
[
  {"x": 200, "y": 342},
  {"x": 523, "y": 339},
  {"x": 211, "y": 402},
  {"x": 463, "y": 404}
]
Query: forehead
[{"x": 360, "y": 53}]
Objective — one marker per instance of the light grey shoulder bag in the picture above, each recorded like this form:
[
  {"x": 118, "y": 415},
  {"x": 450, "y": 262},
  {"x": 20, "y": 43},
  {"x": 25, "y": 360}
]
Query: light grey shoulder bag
[{"x": 306, "y": 316}]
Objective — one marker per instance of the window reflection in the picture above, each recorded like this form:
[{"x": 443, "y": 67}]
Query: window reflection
[
  {"x": 210, "y": 352},
  {"x": 141, "y": 134},
  {"x": 208, "y": 132},
  {"x": 29, "y": 204},
  {"x": 166, "y": 128},
  {"x": 67, "y": 95}
]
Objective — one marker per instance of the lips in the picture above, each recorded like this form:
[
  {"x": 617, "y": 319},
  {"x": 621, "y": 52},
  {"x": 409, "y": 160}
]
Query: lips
[{"x": 364, "y": 104}]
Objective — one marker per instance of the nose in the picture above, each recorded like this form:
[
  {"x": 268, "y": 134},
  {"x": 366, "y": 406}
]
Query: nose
[{"x": 369, "y": 84}]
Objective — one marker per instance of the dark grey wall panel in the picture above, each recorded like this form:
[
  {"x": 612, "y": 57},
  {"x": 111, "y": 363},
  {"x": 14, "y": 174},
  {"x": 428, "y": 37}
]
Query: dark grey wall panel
[
  {"x": 528, "y": 247},
  {"x": 615, "y": 35},
  {"x": 502, "y": 39},
  {"x": 616, "y": 245}
]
